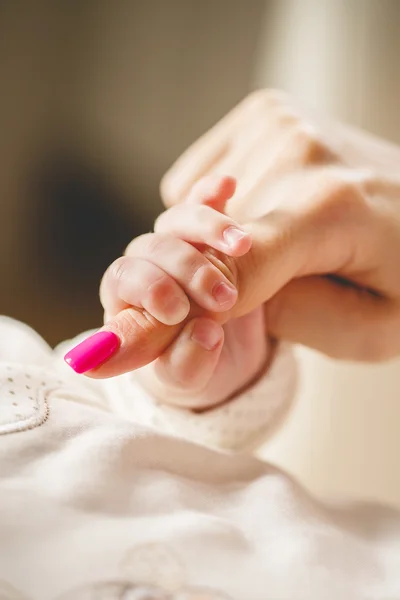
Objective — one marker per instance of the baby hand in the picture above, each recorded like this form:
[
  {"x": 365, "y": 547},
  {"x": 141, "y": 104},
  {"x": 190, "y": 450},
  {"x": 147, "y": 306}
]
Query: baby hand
[{"x": 167, "y": 300}]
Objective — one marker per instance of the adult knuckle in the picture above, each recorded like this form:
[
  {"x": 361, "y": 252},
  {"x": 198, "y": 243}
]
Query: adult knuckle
[
  {"x": 265, "y": 100},
  {"x": 275, "y": 98},
  {"x": 337, "y": 198},
  {"x": 343, "y": 198},
  {"x": 112, "y": 280},
  {"x": 308, "y": 146},
  {"x": 161, "y": 221},
  {"x": 130, "y": 321},
  {"x": 286, "y": 118}
]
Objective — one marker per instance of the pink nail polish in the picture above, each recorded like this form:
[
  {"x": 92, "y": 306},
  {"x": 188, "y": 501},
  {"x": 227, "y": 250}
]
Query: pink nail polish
[{"x": 92, "y": 352}]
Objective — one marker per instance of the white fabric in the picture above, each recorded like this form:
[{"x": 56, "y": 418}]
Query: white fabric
[
  {"x": 96, "y": 505},
  {"x": 239, "y": 424}
]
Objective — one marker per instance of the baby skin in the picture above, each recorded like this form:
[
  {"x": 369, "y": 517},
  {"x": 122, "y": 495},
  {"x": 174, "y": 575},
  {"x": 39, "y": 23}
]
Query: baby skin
[{"x": 173, "y": 303}]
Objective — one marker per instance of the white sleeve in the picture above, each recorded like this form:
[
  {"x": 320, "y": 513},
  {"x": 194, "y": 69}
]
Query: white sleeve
[{"x": 242, "y": 423}]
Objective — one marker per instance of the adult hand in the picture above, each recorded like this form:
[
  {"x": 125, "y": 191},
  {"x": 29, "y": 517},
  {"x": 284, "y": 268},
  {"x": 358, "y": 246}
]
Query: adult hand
[{"x": 322, "y": 201}]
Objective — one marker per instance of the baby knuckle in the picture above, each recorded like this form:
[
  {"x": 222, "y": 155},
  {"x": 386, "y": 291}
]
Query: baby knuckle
[
  {"x": 335, "y": 198},
  {"x": 118, "y": 269},
  {"x": 155, "y": 244},
  {"x": 169, "y": 189},
  {"x": 132, "y": 247}
]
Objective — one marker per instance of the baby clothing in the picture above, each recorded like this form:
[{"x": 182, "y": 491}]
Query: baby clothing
[{"x": 105, "y": 494}]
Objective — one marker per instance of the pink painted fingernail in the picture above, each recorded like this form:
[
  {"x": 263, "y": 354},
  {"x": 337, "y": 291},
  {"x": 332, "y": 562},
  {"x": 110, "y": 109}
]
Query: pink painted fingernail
[
  {"x": 92, "y": 352},
  {"x": 233, "y": 235}
]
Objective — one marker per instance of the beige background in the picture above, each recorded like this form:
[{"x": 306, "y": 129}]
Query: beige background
[
  {"x": 343, "y": 436},
  {"x": 121, "y": 88}
]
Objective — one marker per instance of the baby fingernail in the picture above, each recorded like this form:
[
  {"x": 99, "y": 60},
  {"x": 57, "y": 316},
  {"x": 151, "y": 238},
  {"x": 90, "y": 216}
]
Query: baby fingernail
[
  {"x": 224, "y": 294},
  {"x": 233, "y": 235},
  {"x": 206, "y": 333},
  {"x": 92, "y": 352}
]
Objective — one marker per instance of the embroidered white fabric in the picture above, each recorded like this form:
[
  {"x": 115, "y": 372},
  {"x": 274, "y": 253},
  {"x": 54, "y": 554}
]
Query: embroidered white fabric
[
  {"x": 96, "y": 505},
  {"x": 241, "y": 423}
]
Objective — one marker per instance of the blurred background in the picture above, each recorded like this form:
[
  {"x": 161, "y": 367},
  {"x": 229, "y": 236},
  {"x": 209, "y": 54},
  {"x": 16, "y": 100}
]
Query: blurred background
[{"x": 99, "y": 97}]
